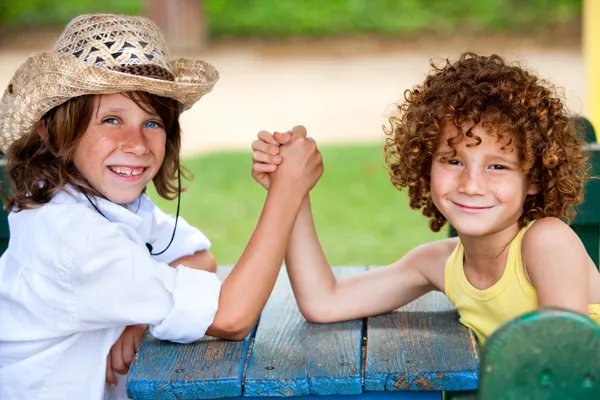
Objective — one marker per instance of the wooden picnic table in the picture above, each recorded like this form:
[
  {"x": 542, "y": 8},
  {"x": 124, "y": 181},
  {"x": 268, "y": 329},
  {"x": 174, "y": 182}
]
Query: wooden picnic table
[{"x": 415, "y": 352}]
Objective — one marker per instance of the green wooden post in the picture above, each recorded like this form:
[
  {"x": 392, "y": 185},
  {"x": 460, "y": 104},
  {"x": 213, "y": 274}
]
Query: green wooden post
[{"x": 549, "y": 353}]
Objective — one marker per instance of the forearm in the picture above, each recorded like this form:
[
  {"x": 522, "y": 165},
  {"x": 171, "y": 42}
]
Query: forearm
[
  {"x": 202, "y": 260},
  {"x": 311, "y": 276},
  {"x": 247, "y": 288}
]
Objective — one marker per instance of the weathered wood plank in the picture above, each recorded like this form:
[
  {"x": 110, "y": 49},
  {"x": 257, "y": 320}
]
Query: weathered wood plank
[
  {"x": 291, "y": 357},
  {"x": 370, "y": 396},
  {"x": 208, "y": 369},
  {"x": 422, "y": 346}
]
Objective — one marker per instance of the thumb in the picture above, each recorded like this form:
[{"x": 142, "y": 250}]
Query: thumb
[
  {"x": 298, "y": 131},
  {"x": 282, "y": 138}
]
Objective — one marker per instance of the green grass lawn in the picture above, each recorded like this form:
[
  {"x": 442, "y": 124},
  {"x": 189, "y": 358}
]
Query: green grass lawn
[
  {"x": 361, "y": 218},
  {"x": 326, "y": 18}
]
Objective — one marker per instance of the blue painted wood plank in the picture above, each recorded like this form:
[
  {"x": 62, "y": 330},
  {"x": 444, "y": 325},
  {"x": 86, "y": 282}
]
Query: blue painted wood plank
[
  {"x": 422, "y": 346},
  {"x": 208, "y": 369},
  {"x": 366, "y": 396},
  {"x": 291, "y": 357}
]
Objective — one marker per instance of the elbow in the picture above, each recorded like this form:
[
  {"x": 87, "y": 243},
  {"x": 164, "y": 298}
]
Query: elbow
[
  {"x": 237, "y": 335},
  {"x": 231, "y": 329},
  {"x": 315, "y": 315},
  {"x": 208, "y": 262},
  {"x": 236, "y": 332},
  {"x": 212, "y": 264}
]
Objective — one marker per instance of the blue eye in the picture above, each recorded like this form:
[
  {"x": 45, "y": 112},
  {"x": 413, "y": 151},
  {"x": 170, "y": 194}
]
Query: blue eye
[
  {"x": 152, "y": 125},
  {"x": 111, "y": 121}
]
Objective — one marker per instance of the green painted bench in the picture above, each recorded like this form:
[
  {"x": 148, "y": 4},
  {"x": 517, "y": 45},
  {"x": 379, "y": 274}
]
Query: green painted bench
[
  {"x": 549, "y": 353},
  {"x": 415, "y": 352},
  {"x": 587, "y": 221}
]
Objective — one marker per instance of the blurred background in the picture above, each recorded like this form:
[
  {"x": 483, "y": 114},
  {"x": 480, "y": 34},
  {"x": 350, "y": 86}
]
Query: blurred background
[{"x": 337, "y": 67}]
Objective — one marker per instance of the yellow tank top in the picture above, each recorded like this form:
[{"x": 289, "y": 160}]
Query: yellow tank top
[{"x": 486, "y": 310}]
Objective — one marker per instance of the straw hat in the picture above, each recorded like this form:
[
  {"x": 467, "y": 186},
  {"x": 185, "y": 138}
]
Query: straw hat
[{"x": 99, "y": 54}]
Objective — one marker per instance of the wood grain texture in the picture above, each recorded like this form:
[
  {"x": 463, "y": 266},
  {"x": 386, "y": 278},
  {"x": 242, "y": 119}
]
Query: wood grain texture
[
  {"x": 291, "y": 357},
  {"x": 372, "y": 396},
  {"x": 208, "y": 369},
  {"x": 420, "y": 347}
]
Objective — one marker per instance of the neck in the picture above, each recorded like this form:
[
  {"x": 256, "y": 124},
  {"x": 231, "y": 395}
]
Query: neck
[{"x": 488, "y": 253}]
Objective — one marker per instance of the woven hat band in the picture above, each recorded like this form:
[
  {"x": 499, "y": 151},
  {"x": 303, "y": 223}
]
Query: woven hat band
[{"x": 107, "y": 41}]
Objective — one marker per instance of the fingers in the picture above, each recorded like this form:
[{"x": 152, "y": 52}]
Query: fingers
[
  {"x": 128, "y": 353},
  {"x": 258, "y": 168},
  {"x": 266, "y": 137},
  {"x": 298, "y": 131},
  {"x": 260, "y": 157},
  {"x": 116, "y": 357},
  {"x": 259, "y": 145},
  {"x": 282, "y": 138},
  {"x": 111, "y": 379},
  {"x": 138, "y": 340},
  {"x": 268, "y": 143}
]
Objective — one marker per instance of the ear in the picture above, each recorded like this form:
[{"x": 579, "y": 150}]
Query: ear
[
  {"x": 533, "y": 188},
  {"x": 42, "y": 131}
]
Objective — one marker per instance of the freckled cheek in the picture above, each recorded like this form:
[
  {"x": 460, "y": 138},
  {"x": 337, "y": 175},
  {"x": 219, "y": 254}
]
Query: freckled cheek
[
  {"x": 97, "y": 149},
  {"x": 442, "y": 182},
  {"x": 91, "y": 154},
  {"x": 158, "y": 146},
  {"x": 508, "y": 190}
]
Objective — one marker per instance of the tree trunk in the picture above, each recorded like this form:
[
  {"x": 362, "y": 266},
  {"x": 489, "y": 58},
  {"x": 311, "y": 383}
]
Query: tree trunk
[{"x": 182, "y": 23}]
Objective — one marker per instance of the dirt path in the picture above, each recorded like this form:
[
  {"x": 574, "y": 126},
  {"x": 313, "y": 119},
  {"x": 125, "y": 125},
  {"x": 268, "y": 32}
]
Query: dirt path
[{"x": 339, "y": 91}]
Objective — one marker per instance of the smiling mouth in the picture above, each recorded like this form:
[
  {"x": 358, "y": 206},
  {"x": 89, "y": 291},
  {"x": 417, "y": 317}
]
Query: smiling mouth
[
  {"x": 127, "y": 171},
  {"x": 472, "y": 208}
]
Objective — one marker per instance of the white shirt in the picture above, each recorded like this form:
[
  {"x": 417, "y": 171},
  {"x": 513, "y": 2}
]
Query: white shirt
[{"x": 71, "y": 280}]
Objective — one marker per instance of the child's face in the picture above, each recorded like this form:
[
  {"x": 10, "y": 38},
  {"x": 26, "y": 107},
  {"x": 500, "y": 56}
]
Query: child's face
[
  {"x": 122, "y": 148},
  {"x": 482, "y": 189}
]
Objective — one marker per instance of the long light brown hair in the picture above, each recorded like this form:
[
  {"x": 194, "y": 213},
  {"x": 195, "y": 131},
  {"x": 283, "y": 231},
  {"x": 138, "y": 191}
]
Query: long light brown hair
[{"x": 40, "y": 167}]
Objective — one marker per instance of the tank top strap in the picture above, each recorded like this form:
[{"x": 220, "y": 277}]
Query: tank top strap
[
  {"x": 453, "y": 271},
  {"x": 515, "y": 261}
]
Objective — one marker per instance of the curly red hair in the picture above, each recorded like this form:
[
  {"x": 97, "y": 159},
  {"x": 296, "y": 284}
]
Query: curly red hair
[{"x": 515, "y": 106}]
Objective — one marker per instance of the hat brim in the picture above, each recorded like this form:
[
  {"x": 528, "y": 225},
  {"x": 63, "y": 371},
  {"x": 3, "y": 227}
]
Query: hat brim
[{"x": 47, "y": 80}]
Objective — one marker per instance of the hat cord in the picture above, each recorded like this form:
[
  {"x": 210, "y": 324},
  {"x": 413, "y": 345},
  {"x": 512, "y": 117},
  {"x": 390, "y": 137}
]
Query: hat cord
[{"x": 148, "y": 245}]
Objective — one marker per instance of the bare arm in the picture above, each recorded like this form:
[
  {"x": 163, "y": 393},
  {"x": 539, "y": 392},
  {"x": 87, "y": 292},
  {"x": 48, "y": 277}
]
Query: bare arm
[
  {"x": 557, "y": 263},
  {"x": 321, "y": 298},
  {"x": 203, "y": 260},
  {"x": 247, "y": 288}
]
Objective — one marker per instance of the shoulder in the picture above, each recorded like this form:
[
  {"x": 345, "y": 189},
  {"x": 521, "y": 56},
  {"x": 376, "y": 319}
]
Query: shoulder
[
  {"x": 60, "y": 217},
  {"x": 52, "y": 239},
  {"x": 556, "y": 263},
  {"x": 548, "y": 234},
  {"x": 551, "y": 242},
  {"x": 438, "y": 250},
  {"x": 430, "y": 259},
  {"x": 63, "y": 224}
]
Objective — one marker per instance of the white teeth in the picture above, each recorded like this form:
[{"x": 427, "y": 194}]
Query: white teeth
[{"x": 127, "y": 171}]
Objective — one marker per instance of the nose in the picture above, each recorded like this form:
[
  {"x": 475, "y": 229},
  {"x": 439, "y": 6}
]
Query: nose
[
  {"x": 472, "y": 182},
  {"x": 133, "y": 141}
]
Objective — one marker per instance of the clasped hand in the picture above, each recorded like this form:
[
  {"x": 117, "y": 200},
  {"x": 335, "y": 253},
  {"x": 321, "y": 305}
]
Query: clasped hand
[{"x": 303, "y": 164}]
